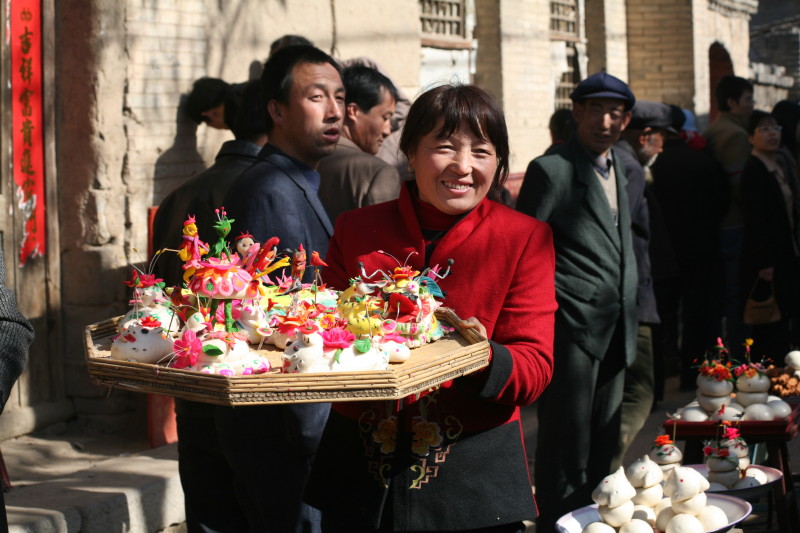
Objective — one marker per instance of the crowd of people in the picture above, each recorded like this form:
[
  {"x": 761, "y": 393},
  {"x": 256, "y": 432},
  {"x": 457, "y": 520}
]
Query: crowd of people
[{"x": 634, "y": 243}]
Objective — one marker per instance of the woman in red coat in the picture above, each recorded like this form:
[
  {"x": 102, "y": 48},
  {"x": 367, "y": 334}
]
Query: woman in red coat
[{"x": 454, "y": 457}]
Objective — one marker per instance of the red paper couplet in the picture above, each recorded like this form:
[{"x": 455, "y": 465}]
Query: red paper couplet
[{"x": 28, "y": 134}]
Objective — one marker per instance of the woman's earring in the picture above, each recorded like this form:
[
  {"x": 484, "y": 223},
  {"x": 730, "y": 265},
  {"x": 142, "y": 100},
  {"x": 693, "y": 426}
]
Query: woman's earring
[{"x": 410, "y": 169}]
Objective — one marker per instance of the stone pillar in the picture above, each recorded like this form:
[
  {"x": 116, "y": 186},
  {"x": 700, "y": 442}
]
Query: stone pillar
[
  {"x": 606, "y": 34},
  {"x": 513, "y": 62}
]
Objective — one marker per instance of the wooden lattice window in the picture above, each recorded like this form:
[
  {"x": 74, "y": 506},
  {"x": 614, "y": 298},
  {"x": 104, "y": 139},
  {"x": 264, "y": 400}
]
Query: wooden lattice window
[
  {"x": 568, "y": 81},
  {"x": 564, "y": 19},
  {"x": 444, "y": 23}
]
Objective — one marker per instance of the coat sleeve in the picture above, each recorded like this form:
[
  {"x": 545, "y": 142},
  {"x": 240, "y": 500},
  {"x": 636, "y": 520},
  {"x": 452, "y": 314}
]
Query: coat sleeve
[
  {"x": 536, "y": 196},
  {"x": 759, "y": 247},
  {"x": 522, "y": 336},
  {"x": 16, "y": 334}
]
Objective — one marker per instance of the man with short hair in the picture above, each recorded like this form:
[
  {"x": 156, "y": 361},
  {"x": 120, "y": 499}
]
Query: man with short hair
[
  {"x": 213, "y": 101},
  {"x": 352, "y": 176},
  {"x": 727, "y": 138},
  {"x": 579, "y": 190},
  {"x": 271, "y": 447}
]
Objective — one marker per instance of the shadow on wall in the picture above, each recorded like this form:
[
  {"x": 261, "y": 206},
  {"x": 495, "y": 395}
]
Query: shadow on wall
[{"x": 181, "y": 160}]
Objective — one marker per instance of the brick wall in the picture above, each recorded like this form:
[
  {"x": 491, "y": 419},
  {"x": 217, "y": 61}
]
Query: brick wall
[{"x": 660, "y": 50}]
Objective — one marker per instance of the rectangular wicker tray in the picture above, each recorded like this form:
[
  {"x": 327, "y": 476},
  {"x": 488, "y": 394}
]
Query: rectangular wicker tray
[{"x": 456, "y": 354}]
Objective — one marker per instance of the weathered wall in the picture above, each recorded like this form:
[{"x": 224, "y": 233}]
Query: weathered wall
[
  {"x": 725, "y": 22},
  {"x": 123, "y": 141}
]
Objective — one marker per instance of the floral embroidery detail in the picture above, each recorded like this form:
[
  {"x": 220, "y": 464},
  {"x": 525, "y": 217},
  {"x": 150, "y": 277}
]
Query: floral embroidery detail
[
  {"x": 386, "y": 435},
  {"x": 426, "y": 435}
]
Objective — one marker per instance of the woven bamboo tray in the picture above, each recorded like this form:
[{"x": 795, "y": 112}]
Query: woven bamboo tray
[{"x": 454, "y": 355}]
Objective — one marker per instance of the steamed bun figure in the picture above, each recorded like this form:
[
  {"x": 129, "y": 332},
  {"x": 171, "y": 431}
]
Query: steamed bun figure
[
  {"x": 143, "y": 341},
  {"x": 646, "y": 477},
  {"x": 752, "y": 382},
  {"x": 715, "y": 382},
  {"x": 665, "y": 454},
  {"x": 614, "y": 495},
  {"x": 686, "y": 490},
  {"x": 736, "y": 446},
  {"x": 149, "y": 300}
]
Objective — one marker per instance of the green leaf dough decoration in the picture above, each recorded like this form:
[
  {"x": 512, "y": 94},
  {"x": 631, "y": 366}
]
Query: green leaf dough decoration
[
  {"x": 363, "y": 345},
  {"x": 211, "y": 350}
]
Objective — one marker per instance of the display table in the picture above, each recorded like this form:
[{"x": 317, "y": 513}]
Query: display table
[{"x": 774, "y": 434}]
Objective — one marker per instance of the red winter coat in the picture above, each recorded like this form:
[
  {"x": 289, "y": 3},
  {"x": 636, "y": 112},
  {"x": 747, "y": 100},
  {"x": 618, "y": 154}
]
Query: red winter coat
[{"x": 458, "y": 461}]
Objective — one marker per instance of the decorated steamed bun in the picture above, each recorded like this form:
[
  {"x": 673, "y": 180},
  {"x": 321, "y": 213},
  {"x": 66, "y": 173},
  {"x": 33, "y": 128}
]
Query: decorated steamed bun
[{"x": 614, "y": 490}]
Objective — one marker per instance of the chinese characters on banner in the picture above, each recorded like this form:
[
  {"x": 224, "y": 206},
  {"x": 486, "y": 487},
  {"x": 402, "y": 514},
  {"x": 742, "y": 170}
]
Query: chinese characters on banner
[{"x": 28, "y": 135}]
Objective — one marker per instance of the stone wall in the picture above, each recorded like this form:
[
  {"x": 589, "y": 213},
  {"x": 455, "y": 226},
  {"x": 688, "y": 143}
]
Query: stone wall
[{"x": 779, "y": 44}]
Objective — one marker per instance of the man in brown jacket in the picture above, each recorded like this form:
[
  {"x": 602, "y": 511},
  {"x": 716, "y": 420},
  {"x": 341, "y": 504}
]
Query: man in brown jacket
[{"x": 352, "y": 176}]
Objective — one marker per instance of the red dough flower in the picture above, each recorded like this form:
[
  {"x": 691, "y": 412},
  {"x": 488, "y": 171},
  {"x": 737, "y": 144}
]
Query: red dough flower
[
  {"x": 187, "y": 348},
  {"x": 150, "y": 322},
  {"x": 337, "y": 338},
  {"x": 663, "y": 440}
]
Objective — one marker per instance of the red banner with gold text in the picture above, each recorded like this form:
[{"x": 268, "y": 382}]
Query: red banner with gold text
[{"x": 25, "y": 38}]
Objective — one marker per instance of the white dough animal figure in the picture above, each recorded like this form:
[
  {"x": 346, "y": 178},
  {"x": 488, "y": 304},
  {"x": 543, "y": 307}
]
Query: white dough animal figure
[
  {"x": 309, "y": 354},
  {"x": 253, "y": 322},
  {"x": 141, "y": 343},
  {"x": 151, "y": 301}
]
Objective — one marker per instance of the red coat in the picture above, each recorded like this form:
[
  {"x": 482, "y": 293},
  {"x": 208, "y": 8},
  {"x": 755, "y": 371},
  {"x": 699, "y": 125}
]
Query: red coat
[{"x": 458, "y": 461}]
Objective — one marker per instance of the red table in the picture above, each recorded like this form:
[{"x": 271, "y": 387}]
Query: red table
[{"x": 774, "y": 434}]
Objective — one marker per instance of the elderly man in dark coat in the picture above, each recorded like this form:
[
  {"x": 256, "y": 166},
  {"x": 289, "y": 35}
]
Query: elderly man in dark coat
[{"x": 579, "y": 190}]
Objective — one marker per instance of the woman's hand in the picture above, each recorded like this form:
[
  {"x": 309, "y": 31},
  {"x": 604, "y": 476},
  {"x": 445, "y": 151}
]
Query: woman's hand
[
  {"x": 766, "y": 273},
  {"x": 473, "y": 322}
]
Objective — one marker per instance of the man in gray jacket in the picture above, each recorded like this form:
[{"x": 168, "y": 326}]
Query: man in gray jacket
[{"x": 352, "y": 176}]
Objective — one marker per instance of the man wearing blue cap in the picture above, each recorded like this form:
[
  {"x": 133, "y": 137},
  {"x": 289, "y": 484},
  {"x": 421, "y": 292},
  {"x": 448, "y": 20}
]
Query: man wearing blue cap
[{"x": 580, "y": 190}]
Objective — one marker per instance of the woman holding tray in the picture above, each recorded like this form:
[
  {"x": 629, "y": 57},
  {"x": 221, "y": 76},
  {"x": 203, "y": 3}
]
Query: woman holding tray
[{"x": 453, "y": 458}]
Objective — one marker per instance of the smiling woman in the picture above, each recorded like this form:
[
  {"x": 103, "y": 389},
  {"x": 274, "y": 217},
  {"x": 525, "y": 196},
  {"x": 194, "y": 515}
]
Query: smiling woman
[{"x": 451, "y": 458}]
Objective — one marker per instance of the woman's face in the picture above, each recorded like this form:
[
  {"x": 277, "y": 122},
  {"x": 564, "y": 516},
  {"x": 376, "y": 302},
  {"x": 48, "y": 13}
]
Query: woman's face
[
  {"x": 766, "y": 137},
  {"x": 453, "y": 174}
]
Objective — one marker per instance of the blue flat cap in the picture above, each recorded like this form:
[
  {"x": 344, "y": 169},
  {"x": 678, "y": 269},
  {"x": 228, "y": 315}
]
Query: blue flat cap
[{"x": 604, "y": 85}]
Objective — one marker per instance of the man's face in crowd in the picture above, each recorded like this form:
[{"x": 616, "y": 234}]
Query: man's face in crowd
[
  {"x": 651, "y": 143},
  {"x": 311, "y": 121},
  {"x": 369, "y": 129},
  {"x": 743, "y": 107},
  {"x": 600, "y": 122}
]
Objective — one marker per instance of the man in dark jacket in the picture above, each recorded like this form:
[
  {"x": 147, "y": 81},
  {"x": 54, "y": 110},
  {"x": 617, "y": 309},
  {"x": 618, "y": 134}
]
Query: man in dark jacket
[{"x": 271, "y": 448}]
